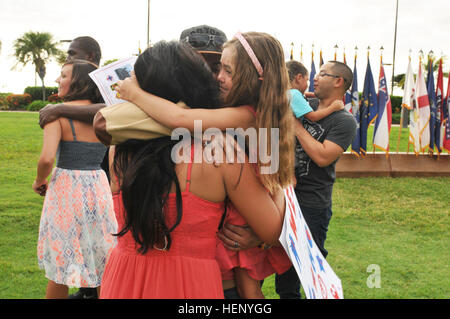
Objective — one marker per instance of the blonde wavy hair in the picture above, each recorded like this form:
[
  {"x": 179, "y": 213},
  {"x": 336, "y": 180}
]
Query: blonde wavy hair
[{"x": 269, "y": 96}]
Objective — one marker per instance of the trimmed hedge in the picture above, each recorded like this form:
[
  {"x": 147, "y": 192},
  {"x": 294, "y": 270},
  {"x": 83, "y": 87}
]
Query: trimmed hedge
[
  {"x": 396, "y": 118},
  {"x": 36, "y": 105},
  {"x": 18, "y": 101},
  {"x": 3, "y": 101},
  {"x": 54, "y": 98},
  {"x": 36, "y": 92},
  {"x": 396, "y": 103}
]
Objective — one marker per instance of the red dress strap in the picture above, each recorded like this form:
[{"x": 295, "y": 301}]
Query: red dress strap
[
  {"x": 251, "y": 109},
  {"x": 188, "y": 179}
]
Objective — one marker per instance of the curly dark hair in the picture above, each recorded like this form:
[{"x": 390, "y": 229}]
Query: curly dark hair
[{"x": 90, "y": 46}]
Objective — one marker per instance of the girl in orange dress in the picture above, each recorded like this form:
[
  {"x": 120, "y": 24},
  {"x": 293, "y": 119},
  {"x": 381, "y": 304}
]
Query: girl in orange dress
[{"x": 169, "y": 211}]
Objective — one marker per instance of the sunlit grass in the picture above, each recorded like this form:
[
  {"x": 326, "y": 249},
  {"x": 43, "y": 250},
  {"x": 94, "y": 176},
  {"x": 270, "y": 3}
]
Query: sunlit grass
[{"x": 399, "y": 224}]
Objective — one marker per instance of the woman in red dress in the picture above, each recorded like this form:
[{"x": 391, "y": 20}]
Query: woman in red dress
[{"x": 168, "y": 213}]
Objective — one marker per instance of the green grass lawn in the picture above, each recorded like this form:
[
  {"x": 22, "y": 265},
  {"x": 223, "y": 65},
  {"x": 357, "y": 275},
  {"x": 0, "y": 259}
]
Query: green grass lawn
[{"x": 400, "y": 225}]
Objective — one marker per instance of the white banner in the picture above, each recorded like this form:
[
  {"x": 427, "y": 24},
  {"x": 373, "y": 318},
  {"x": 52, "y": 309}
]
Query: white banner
[
  {"x": 318, "y": 279},
  {"x": 106, "y": 78}
]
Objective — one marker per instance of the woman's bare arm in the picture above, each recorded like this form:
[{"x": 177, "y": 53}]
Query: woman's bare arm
[
  {"x": 172, "y": 116},
  {"x": 52, "y": 136},
  {"x": 112, "y": 174},
  {"x": 263, "y": 213}
]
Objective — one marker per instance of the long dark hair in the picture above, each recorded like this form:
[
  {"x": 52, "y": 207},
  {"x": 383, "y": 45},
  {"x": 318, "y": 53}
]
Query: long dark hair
[
  {"x": 176, "y": 72},
  {"x": 82, "y": 87}
]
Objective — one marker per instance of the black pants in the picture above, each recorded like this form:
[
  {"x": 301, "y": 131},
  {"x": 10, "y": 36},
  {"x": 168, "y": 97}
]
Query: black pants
[
  {"x": 287, "y": 285},
  {"x": 231, "y": 293}
]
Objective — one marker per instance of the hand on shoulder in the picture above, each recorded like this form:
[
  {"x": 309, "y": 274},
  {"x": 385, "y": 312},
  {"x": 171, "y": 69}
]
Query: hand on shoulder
[{"x": 48, "y": 114}]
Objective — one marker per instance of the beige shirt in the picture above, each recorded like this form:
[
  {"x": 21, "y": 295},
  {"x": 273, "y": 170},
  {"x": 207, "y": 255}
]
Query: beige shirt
[{"x": 120, "y": 122}]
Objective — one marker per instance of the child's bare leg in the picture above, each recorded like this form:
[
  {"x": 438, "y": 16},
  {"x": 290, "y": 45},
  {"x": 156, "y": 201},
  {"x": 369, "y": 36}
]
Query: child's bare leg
[
  {"x": 56, "y": 291},
  {"x": 247, "y": 287}
]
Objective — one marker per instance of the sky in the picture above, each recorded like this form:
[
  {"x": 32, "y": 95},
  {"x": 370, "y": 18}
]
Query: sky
[{"x": 121, "y": 29}]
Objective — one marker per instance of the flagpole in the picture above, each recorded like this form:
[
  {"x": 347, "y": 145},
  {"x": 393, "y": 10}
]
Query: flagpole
[
  {"x": 381, "y": 55},
  {"x": 395, "y": 44},
  {"x": 312, "y": 73},
  {"x": 148, "y": 24},
  {"x": 292, "y": 51},
  {"x": 301, "y": 53},
  {"x": 430, "y": 70},
  {"x": 407, "y": 150},
  {"x": 442, "y": 105},
  {"x": 321, "y": 58},
  {"x": 356, "y": 111},
  {"x": 401, "y": 117},
  {"x": 420, "y": 67},
  {"x": 381, "y": 64},
  {"x": 368, "y": 55}
]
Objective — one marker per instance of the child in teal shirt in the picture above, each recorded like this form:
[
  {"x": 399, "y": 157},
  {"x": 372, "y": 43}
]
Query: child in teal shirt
[
  {"x": 298, "y": 78},
  {"x": 301, "y": 107}
]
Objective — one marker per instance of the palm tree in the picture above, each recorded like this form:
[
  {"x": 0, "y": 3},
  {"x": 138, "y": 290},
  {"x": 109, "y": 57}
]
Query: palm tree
[{"x": 37, "y": 48}]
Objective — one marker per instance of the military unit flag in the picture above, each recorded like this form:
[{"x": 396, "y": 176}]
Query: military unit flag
[
  {"x": 429, "y": 108},
  {"x": 383, "y": 121},
  {"x": 409, "y": 103},
  {"x": 312, "y": 74},
  {"x": 446, "y": 119},
  {"x": 423, "y": 105},
  {"x": 356, "y": 113},
  {"x": 440, "y": 126},
  {"x": 368, "y": 108},
  {"x": 434, "y": 120}
]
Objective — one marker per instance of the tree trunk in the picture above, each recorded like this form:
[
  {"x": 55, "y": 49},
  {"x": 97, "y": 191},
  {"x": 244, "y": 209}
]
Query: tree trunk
[
  {"x": 43, "y": 90},
  {"x": 42, "y": 75}
]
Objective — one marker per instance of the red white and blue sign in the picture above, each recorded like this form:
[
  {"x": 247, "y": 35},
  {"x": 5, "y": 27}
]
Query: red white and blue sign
[{"x": 319, "y": 281}]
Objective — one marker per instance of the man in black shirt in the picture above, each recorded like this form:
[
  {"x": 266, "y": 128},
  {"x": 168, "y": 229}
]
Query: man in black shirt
[{"x": 319, "y": 146}]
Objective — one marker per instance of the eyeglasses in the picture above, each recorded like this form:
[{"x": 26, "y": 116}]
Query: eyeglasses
[
  {"x": 322, "y": 74},
  {"x": 199, "y": 40}
]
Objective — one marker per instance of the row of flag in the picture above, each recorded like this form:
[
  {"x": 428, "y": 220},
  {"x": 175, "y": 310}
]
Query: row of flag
[{"x": 429, "y": 123}]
